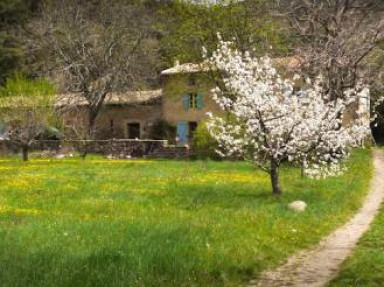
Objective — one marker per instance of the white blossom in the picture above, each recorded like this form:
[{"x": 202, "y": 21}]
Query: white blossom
[{"x": 268, "y": 121}]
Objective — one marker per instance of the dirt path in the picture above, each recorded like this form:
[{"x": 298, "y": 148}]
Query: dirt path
[{"x": 316, "y": 267}]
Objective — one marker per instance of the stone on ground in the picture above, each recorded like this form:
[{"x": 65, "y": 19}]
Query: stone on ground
[{"x": 298, "y": 206}]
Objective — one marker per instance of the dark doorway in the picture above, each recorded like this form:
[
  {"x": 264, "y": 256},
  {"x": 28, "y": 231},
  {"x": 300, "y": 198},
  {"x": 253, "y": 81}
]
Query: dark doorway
[
  {"x": 133, "y": 130},
  {"x": 192, "y": 126}
]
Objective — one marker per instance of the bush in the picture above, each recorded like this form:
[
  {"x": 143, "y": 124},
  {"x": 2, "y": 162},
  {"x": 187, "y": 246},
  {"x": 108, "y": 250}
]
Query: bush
[
  {"x": 203, "y": 144},
  {"x": 162, "y": 130},
  {"x": 21, "y": 86}
]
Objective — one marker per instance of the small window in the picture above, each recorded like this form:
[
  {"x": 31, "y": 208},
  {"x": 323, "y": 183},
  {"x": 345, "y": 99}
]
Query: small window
[
  {"x": 191, "y": 81},
  {"x": 192, "y": 100}
]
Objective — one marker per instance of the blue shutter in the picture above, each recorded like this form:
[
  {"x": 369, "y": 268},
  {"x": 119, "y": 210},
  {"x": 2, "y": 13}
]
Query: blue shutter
[
  {"x": 186, "y": 102},
  {"x": 200, "y": 103},
  {"x": 182, "y": 132}
]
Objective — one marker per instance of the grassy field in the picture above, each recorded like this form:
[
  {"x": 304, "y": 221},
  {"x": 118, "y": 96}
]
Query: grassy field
[
  {"x": 160, "y": 223},
  {"x": 366, "y": 266}
]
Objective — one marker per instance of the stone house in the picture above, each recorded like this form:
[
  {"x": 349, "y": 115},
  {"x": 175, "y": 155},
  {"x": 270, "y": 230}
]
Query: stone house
[
  {"x": 128, "y": 115},
  {"x": 187, "y": 98},
  {"x": 182, "y": 103}
]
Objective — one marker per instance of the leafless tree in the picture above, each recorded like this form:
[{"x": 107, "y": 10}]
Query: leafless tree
[
  {"x": 336, "y": 38},
  {"x": 26, "y": 119},
  {"x": 93, "y": 48}
]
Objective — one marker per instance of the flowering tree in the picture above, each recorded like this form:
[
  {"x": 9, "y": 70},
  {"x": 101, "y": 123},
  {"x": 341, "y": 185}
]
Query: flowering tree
[{"x": 268, "y": 122}]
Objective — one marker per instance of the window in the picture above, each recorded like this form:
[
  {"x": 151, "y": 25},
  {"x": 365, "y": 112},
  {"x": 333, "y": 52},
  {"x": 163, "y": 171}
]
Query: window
[
  {"x": 192, "y": 100},
  {"x": 191, "y": 81},
  {"x": 133, "y": 130}
]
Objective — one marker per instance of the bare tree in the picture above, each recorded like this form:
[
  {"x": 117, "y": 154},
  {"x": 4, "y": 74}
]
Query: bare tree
[
  {"x": 94, "y": 48},
  {"x": 336, "y": 38},
  {"x": 26, "y": 118}
]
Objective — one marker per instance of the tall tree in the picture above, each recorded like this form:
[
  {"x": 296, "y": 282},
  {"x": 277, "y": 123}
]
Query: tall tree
[
  {"x": 12, "y": 14},
  {"x": 186, "y": 27},
  {"x": 94, "y": 48},
  {"x": 336, "y": 38}
]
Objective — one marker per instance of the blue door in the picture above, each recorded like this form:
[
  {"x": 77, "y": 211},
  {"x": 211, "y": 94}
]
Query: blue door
[{"x": 182, "y": 132}]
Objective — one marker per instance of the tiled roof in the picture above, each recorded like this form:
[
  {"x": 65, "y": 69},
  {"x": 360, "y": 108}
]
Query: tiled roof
[
  {"x": 186, "y": 68},
  {"x": 290, "y": 63},
  {"x": 128, "y": 98}
]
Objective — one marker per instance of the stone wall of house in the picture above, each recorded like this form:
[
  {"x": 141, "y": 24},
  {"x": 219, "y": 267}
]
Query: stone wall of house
[
  {"x": 350, "y": 114},
  {"x": 145, "y": 115},
  {"x": 113, "y": 120},
  {"x": 175, "y": 86},
  {"x": 356, "y": 110}
]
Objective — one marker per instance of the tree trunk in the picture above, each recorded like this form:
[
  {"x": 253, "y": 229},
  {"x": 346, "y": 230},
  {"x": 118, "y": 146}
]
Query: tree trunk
[
  {"x": 90, "y": 136},
  {"x": 84, "y": 150},
  {"x": 25, "y": 153},
  {"x": 302, "y": 171},
  {"x": 91, "y": 126},
  {"x": 275, "y": 177},
  {"x": 303, "y": 167}
]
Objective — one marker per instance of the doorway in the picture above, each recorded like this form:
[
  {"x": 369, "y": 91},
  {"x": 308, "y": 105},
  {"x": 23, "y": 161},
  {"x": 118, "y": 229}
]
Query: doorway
[
  {"x": 192, "y": 127},
  {"x": 133, "y": 130},
  {"x": 182, "y": 133}
]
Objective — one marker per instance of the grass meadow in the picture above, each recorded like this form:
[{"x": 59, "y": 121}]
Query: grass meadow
[{"x": 102, "y": 222}]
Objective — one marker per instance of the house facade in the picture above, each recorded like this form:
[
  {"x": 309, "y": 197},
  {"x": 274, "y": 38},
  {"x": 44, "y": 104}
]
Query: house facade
[
  {"x": 131, "y": 115},
  {"x": 182, "y": 103},
  {"x": 187, "y": 98}
]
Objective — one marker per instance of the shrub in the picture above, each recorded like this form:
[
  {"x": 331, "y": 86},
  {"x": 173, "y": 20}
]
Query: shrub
[
  {"x": 162, "y": 130},
  {"x": 21, "y": 86},
  {"x": 203, "y": 144}
]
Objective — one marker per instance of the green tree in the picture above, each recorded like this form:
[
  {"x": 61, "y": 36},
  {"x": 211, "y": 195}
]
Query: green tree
[
  {"x": 13, "y": 14},
  {"x": 204, "y": 145},
  {"x": 187, "y": 27}
]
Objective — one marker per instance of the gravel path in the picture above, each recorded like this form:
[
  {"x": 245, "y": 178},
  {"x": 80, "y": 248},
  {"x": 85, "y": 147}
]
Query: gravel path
[{"x": 316, "y": 267}]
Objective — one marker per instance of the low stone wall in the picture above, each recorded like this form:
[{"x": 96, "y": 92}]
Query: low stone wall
[{"x": 119, "y": 148}]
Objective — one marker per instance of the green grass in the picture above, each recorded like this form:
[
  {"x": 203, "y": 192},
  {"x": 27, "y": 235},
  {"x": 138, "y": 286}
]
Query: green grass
[
  {"x": 366, "y": 266},
  {"x": 160, "y": 223},
  {"x": 18, "y": 85}
]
